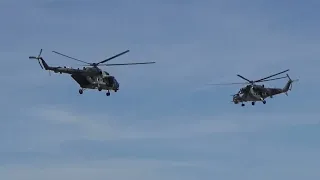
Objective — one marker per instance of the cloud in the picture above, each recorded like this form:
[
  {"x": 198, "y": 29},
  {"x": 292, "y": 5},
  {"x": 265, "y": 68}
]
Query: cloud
[
  {"x": 117, "y": 168},
  {"x": 100, "y": 145},
  {"x": 107, "y": 127}
]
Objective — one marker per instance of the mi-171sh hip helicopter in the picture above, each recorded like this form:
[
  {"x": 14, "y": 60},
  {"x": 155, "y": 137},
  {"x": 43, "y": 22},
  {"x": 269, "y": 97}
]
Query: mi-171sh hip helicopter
[
  {"x": 88, "y": 77},
  {"x": 253, "y": 92}
]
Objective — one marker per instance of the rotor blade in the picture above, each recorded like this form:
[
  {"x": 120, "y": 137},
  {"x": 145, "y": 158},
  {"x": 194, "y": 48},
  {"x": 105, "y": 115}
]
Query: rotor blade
[
  {"x": 121, "y": 64},
  {"x": 273, "y": 79},
  {"x": 271, "y": 76},
  {"x": 228, "y": 84},
  {"x": 40, "y": 53},
  {"x": 70, "y": 57},
  {"x": 244, "y": 78},
  {"x": 113, "y": 57}
]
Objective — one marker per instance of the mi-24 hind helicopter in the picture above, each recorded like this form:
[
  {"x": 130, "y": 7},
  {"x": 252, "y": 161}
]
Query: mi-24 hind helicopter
[
  {"x": 91, "y": 77},
  {"x": 253, "y": 92}
]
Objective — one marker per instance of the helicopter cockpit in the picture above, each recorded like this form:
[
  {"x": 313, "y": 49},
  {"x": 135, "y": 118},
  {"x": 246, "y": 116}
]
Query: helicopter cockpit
[
  {"x": 111, "y": 81},
  {"x": 243, "y": 90}
]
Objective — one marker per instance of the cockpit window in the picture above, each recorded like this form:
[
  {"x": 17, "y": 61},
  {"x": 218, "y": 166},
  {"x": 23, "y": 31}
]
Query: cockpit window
[{"x": 109, "y": 80}]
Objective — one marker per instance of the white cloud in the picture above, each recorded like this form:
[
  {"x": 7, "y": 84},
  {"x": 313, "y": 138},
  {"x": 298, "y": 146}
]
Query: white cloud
[
  {"x": 247, "y": 163},
  {"x": 102, "y": 126},
  {"x": 117, "y": 169}
]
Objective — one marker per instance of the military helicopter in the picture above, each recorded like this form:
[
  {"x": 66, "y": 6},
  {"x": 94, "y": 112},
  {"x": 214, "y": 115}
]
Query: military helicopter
[
  {"x": 254, "y": 92},
  {"x": 91, "y": 77}
]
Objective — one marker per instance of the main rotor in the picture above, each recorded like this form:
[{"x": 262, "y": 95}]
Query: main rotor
[
  {"x": 101, "y": 63},
  {"x": 257, "y": 81},
  {"x": 264, "y": 79}
]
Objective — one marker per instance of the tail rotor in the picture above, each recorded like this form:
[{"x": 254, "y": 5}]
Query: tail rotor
[
  {"x": 38, "y": 58},
  {"x": 295, "y": 80},
  {"x": 291, "y": 82}
]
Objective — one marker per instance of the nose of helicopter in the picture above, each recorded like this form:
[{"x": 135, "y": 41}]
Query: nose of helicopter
[{"x": 116, "y": 84}]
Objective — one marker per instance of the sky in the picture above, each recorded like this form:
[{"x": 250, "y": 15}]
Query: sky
[{"x": 165, "y": 122}]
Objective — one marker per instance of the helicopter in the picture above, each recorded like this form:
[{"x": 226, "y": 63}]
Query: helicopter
[
  {"x": 253, "y": 92},
  {"x": 91, "y": 77}
]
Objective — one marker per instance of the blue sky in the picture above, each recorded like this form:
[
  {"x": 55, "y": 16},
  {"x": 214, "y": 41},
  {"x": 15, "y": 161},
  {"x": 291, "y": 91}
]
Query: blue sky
[{"x": 164, "y": 122}]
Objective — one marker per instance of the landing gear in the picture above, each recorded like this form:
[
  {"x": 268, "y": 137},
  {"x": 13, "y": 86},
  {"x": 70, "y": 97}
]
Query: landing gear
[
  {"x": 99, "y": 88},
  {"x": 264, "y": 101},
  {"x": 253, "y": 103},
  {"x": 80, "y": 91},
  {"x": 108, "y": 93},
  {"x": 242, "y": 104}
]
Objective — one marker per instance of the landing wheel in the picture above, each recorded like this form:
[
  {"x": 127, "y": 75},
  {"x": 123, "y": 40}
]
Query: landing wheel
[
  {"x": 264, "y": 101},
  {"x": 99, "y": 89},
  {"x": 115, "y": 90},
  {"x": 242, "y": 105},
  {"x": 108, "y": 93},
  {"x": 80, "y": 91},
  {"x": 252, "y": 103}
]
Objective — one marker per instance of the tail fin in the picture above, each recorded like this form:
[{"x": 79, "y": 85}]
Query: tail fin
[
  {"x": 288, "y": 86},
  {"x": 44, "y": 64}
]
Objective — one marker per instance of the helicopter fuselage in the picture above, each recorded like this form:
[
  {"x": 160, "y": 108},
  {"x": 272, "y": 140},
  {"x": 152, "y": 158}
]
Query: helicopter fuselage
[
  {"x": 85, "y": 71},
  {"x": 96, "y": 82}
]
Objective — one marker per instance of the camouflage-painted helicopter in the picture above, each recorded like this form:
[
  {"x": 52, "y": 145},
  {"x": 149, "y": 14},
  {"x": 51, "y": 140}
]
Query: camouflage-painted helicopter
[
  {"x": 88, "y": 77},
  {"x": 254, "y": 92}
]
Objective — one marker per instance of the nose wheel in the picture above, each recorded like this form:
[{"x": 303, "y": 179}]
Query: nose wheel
[
  {"x": 264, "y": 101},
  {"x": 108, "y": 93},
  {"x": 253, "y": 103},
  {"x": 80, "y": 91}
]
